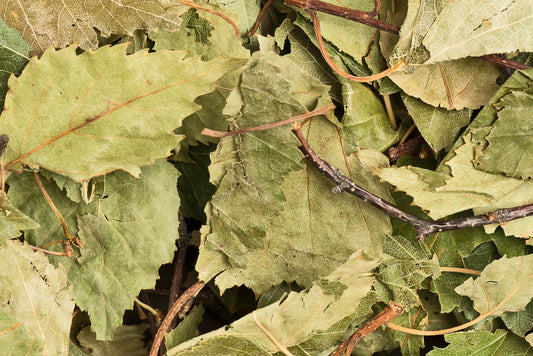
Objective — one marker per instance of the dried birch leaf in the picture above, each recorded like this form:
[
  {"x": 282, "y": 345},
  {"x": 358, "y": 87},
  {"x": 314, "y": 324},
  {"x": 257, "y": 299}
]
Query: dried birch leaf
[
  {"x": 286, "y": 214},
  {"x": 297, "y": 318},
  {"x": 46, "y": 23},
  {"x": 482, "y": 342},
  {"x": 504, "y": 285},
  {"x": 14, "y": 55},
  {"x": 35, "y": 294},
  {"x": 76, "y": 128},
  {"x": 12, "y": 220},
  {"x": 128, "y": 229}
]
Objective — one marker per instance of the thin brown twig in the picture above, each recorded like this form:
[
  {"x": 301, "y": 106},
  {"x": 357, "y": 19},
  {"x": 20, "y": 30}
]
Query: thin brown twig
[
  {"x": 423, "y": 227},
  {"x": 366, "y": 18},
  {"x": 390, "y": 312},
  {"x": 396, "y": 152},
  {"x": 154, "y": 321},
  {"x": 183, "y": 243},
  {"x": 214, "y": 133},
  {"x": 504, "y": 62},
  {"x": 259, "y": 18},
  {"x": 4, "y": 140},
  {"x": 185, "y": 298},
  {"x": 344, "y": 12},
  {"x": 75, "y": 240},
  {"x": 336, "y": 68},
  {"x": 214, "y": 12}
]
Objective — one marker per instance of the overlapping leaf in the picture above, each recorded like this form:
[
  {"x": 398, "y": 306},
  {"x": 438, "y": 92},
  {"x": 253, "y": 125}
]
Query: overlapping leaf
[
  {"x": 15, "y": 339},
  {"x": 485, "y": 27},
  {"x": 36, "y": 295},
  {"x": 464, "y": 83},
  {"x": 334, "y": 29},
  {"x": 464, "y": 189},
  {"x": 128, "y": 340},
  {"x": 511, "y": 138},
  {"x": 504, "y": 285},
  {"x": 187, "y": 329},
  {"x": 439, "y": 127},
  {"x": 210, "y": 36},
  {"x": 78, "y": 128},
  {"x": 45, "y": 23},
  {"x": 413, "y": 318},
  {"x": 454, "y": 249},
  {"x": 287, "y": 230},
  {"x": 128, "y": 230},
  {"x": 404, "y": 266},
  {"x": 365, "y": 121},
  {"x": 246, "y": 12},
  {"x": 202, "y": 33},
  {"x": 14, "y": 54},
  {"x": 307, "y": 56},
  {"x": 12, "y": 220},
  {"x": 296, "y": 318},
  {"x": 520, "y": 322},
  {"x": 483, "y": 342},
  {"x": 438, "y": 31}
]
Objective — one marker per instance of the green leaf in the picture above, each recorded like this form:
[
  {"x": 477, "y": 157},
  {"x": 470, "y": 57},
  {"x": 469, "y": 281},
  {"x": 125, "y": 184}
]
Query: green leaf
[
  {"x": 405, "y": 264},
  {"x": 250, "y": 170},
  {"x": 202, "y": 33},
  {"x": 455, "y": 85},
  {"x": 12, "y": 220},
  {"x": 128, "y": 230},
  {"x": 46, "y": 25},
  {"x": 453, "y": 248},
  {"x": 307, "y": 56},
  {"x": 414, "y": 318},
  {"x": 14, "y": 54},
  {"x": 529, "y": 339},
  {"x": 510, "y": 140},
  {"x": 439, "y": 31},
  {"x": 186, "y": 329},
  {"x": 246, "y": 12},
  {"x": 128, "y": 340},
  {"x": 465, "y": 83},
  {"x": 15, "y": 339},
  {"x": 464, "y": 189},
  {"x": 483, "y": 343},
  {"x": 519, "y": 322},
  {"x": 504, "y": 285},
  {"x": 340, "y": 331},
  {"x": 334, "y": 29},
  {"x": 302, "y": 229},
  {"x": 365, "y": 121},
  {"x": 224, "y": 345},
  {"x": 209, "y": 36},
  {"x": 439, "y": 127},
  {"x": 77, "y": 128},
  {"x": 470, "y": 29},
  {"x": 35, "y": 294},
  {"x": 211, "y": 115},
  {"x": 294, "y": 319}
]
